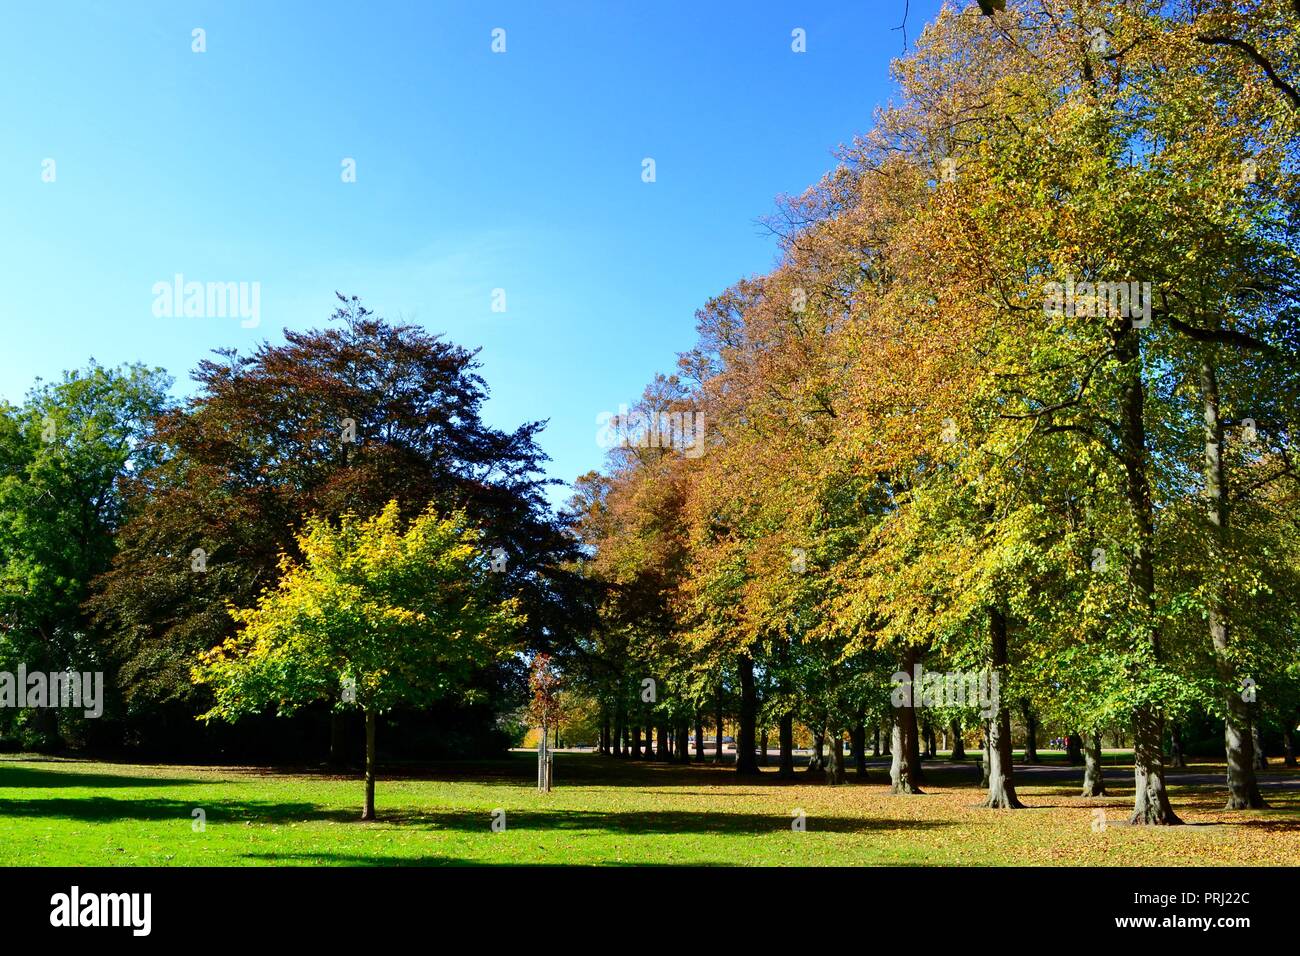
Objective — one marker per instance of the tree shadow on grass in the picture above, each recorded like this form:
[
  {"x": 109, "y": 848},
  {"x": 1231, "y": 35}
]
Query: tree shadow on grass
[
  {"x": 351, "y": 859},
  {"x": 108, "y": 809},
  {"x": 1263, "y": 823},
  {"x": 648, "y": 822},
  {"x": 22, "y": 777}
]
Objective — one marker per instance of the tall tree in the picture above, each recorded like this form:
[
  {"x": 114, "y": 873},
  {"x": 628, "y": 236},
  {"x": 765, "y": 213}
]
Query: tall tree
[
  {"x": 345, "y": 418},
  {"x": 64, "y": 456}
]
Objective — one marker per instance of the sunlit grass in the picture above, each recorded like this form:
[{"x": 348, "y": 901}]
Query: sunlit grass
[{"x": 58, "y": 812}]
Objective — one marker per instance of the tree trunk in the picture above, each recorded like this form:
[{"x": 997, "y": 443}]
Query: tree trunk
[
  {"x": 636, "y": 741},
  {"x": 699, "y": 739},
  {"x": 817, "y": 762},
  {"x": 984, "y": 756},
  {"x": 902, "y": 776},
  {"x": 684, "y": 742},
  {"x": 617, "y": 742},
  {"x": 1257, "y": 744},
  {"x": 368, "y": 813},
  {"x": 1151, "y": 803},
  {"x": 785, "y": 731},
  {"x": 1074, "y": 750},
  {"x": 543, "y": 758},
  {"x": 1288, "y": 740},
  {"x": 1031, "y": 733},
  {"x": 997, "y": 748},
  {"x": 1151, "y": 798},
  {"x": 897, "y": 781},
  {"x": 762, "y": 749},
  {"x": 912, "y": 737},
  {"x": 835, "y": 765},
  {"x": 745, "y": 762},
  {"x": 958, "y": 747},
  {"x": 1243, "y": 788},
  {"x": 911, "y": 734},
  {"x": 1094, "y": 785},
  {"x": 717, "y": 747},
  {"x": 1176, "y": 756},
  {"x": 543, "y": 735},
  {"x": 858, "y": 738},
  {"x": 875, "y": 743}
]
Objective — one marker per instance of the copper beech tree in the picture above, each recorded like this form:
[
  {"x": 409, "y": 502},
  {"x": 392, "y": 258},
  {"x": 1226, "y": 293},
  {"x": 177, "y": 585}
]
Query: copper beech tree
[{"x": 341, "y": 418}]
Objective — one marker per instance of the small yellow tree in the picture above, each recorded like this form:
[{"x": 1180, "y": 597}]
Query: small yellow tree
[{"x": 387, "y": 616}]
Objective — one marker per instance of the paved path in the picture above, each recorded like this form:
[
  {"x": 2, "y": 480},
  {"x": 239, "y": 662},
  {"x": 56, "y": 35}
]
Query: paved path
[{"x": 1057, "y": 774}]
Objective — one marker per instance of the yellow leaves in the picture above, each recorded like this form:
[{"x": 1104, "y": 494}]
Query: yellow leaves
[{"x": 396, "y": 609}]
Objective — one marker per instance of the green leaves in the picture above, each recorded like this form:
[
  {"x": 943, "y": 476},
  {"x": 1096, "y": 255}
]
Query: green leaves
[{"x": 64, "y": 455}]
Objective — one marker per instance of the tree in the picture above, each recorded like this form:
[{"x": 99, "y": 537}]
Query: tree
[
  {"x": 371, "y": 618},
  {"x": 544, "y": 707},
  {"x": 64, "y": 456},
  {"x": 343, "y": 418}
]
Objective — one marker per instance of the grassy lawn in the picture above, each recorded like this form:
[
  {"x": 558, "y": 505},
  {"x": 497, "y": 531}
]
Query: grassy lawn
[{"x": 71, "y": 812}]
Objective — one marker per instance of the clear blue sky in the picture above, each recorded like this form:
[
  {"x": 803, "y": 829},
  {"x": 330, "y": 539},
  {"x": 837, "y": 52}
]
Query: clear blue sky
[{"x": 475, "y": 171}]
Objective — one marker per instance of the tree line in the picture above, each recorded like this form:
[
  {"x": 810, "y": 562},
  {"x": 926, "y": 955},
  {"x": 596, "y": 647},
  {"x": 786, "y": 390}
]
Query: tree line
[
  {"x": 1013, "y": 408},
  {"x": 1018, "y": 399}
]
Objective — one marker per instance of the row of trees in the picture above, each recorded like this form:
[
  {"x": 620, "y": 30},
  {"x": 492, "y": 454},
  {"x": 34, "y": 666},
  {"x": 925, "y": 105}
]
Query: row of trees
[{"x": 1017, "y": 399}]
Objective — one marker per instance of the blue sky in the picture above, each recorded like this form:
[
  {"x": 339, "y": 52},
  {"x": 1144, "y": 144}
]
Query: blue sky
[{"x": 474, "y": 171}]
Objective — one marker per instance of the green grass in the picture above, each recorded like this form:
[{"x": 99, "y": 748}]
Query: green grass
[{"x": 64, "y": 812}]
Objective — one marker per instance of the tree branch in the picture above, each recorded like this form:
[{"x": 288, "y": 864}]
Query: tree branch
[
  {"x": 1221, "y": 336},
  {"x": 1260, "y": 60}
]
